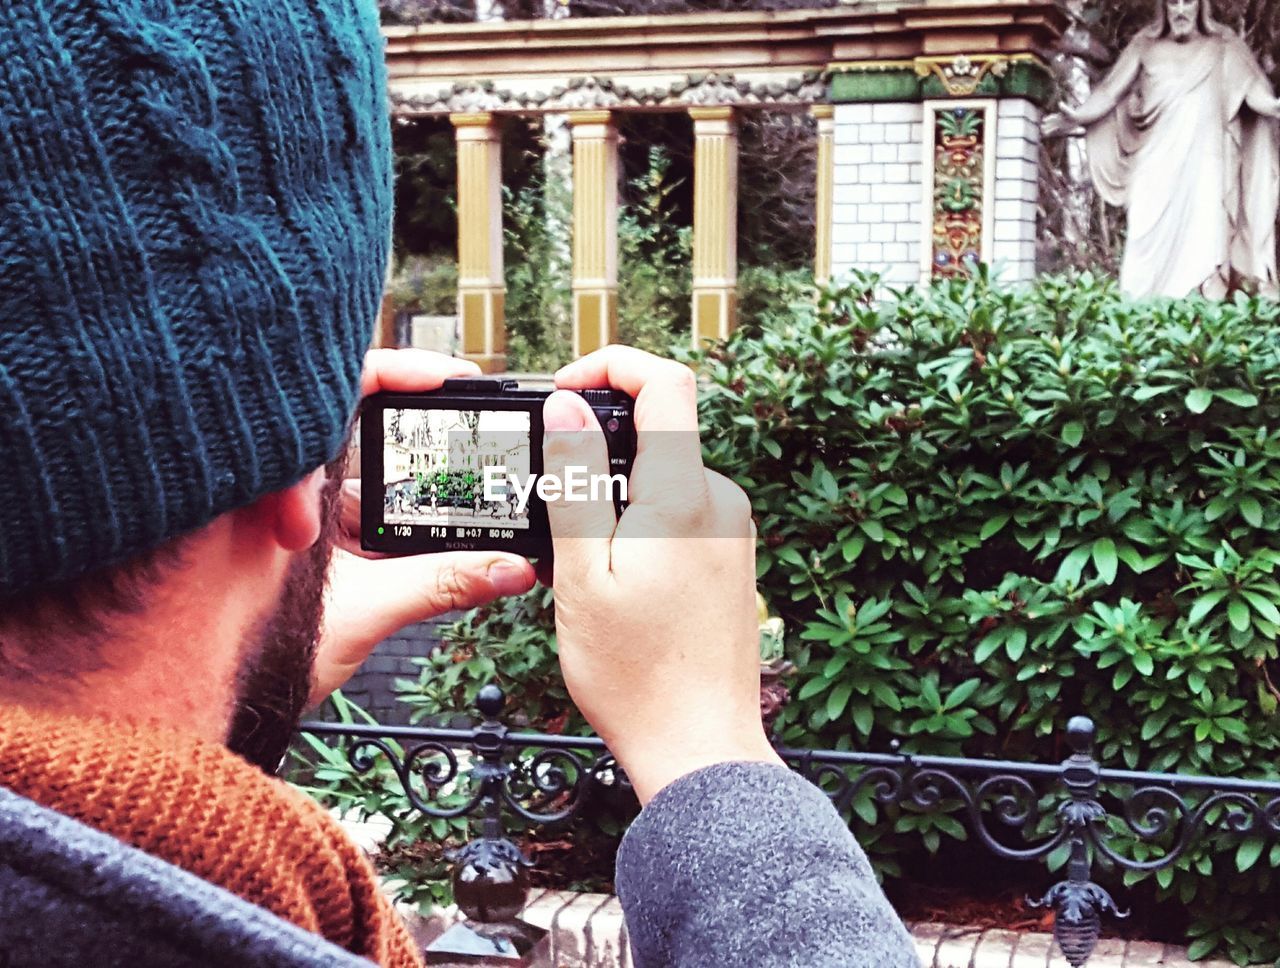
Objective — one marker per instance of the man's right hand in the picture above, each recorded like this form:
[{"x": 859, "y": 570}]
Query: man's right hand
[{"x": 656, "y": 617}]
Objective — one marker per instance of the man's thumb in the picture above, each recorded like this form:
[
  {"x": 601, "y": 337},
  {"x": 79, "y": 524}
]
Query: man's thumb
[
  {"x": 576, "y": 461},
  {"x": 467, "y": 579}
]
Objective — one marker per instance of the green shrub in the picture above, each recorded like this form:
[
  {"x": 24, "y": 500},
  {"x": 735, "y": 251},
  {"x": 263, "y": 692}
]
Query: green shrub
[
  {"x": 768, "y": 296},
  {"x": 512, "y": 646},
  {"x": 983, "y": 511}
]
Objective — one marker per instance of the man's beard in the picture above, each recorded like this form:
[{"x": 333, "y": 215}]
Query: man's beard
[{"x": 276, "y": 673}]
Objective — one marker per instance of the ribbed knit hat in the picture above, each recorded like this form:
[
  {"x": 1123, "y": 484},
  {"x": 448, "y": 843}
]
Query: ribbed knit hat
[{"x": 195, "y": 206}]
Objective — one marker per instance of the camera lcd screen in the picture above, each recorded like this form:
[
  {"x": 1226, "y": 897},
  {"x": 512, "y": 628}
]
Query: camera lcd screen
[{"x": 449, "y": 473}]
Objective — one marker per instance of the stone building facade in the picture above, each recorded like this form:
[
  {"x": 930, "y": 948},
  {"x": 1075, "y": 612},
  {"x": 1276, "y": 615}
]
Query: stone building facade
[{"x": 928, "y": 150}]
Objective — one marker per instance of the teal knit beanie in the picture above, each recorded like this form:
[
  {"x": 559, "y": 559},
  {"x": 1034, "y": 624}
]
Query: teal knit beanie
[{"x": 195, "y": 209}]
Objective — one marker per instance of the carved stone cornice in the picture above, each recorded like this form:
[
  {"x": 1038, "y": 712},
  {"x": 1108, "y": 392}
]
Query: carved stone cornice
[{"x": 596, "y": 93}]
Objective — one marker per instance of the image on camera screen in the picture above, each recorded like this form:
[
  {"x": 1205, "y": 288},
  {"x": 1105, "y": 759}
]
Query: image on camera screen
[{"x": 445, "y": 468}]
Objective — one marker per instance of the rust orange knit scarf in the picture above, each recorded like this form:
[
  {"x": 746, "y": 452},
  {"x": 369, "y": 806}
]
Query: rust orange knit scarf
[{"x": 202, "y": 808}]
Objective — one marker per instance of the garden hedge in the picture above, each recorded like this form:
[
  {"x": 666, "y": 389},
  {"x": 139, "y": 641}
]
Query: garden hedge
[{"x": 985, "y": 510}]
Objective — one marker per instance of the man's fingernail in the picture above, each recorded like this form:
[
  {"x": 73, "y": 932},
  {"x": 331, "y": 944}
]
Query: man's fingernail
[
  {"x": 561, "y": 414},
  {"x": 507, "y": 578}
]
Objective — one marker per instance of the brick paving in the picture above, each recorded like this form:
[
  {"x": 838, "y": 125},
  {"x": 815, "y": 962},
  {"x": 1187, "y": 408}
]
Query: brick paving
[{"x": 587, "y": 931}]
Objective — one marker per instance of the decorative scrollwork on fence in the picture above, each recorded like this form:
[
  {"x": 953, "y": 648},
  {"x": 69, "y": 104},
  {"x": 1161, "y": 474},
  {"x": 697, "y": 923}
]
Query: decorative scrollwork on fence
[
  {"x": 434, "y": 764},
  {"x": 1018, "y": 811},
  {"x": 549, "y": 788},
  {"x": 1153, "y": 814}
]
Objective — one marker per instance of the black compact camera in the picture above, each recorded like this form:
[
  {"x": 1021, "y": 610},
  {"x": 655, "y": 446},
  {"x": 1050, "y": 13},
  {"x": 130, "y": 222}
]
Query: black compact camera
[{"x": 460, "y": 468}]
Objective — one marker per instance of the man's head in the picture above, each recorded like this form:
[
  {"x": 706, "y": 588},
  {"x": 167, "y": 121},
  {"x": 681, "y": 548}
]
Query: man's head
[{"x": 196, "y": 206}]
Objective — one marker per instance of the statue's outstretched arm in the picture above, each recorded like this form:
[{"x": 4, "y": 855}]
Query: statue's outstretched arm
[
  {"x": 1111, "y": 89},
  {"x": 1261, "y": 100}
]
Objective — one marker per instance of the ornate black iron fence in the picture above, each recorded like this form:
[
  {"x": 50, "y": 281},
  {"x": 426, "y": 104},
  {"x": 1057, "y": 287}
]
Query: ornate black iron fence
[{"x": 1019, "y": 811}]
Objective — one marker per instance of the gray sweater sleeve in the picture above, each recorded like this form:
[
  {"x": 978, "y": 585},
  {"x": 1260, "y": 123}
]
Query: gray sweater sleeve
[{"x": 750, "y": 864}]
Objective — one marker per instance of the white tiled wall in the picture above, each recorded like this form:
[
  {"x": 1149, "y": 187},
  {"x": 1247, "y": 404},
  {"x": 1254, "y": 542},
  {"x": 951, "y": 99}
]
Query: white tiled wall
[
  {"x": 879, "y": 190},
  {"x": 1017, "y": 188}
]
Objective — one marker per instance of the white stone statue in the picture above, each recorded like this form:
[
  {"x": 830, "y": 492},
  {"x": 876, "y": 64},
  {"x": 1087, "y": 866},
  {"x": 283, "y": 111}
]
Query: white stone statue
[{"x": 1183, "y": 135}]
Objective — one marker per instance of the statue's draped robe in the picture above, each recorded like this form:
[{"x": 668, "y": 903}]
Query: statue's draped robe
[{"x": 1196, "y": 169}]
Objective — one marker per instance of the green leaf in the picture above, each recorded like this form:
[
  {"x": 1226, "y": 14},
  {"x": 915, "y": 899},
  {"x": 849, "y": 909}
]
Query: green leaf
[
  {"x": 1143, "y": 662},
  {"x": 1202, "y": 947},
  {"x": 961, "y": 693},
  {"x": 1237, "y": 398},
  {"x": 993, "y": 526},
  {"x": 896, "y": 495},
  {"x": 1249, "y": 851},
  {"x": 865, "y": 808},
  {"x": 863, "y": 719},
  {"x": 1198, "y": 400},
  {"x": 772, "y": 448},
  {"x": 1071, "y": 567},
  {"x": 852, "y": 547},
  {"x": 838, "y": 699},
  {"x": 827, "y": 485},
  {"x": 835, "y": 665},
  {"x": 873, "y": 529},
  {"x": 790, "y": 555},
  {"x": 1217, "y": 508},
  {"x": 1105, "y": 559},
  {"x": 1238, "y": 612},
  {"x": 812, "y": 688},
  {"x": 929, "y": 693},
  {"x": 1016, "y": 645},
  {"x": 1073, "y": 433},
  {"x": 1251, "y": 511},
  {"x": 1263, "y": 606},
  {"x": 1204, "y": 605},
  {"x": 987, "y": 647}
]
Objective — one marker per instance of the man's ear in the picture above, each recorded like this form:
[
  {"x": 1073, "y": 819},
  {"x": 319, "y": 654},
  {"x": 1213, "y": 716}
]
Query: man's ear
[{"x": 293, "y": 515}]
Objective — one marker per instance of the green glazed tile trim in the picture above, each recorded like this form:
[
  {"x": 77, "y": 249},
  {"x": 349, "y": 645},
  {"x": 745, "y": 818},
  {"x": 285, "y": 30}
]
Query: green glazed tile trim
[{"x": 877, "y": 84}]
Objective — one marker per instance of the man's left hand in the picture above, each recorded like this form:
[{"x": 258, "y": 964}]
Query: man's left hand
[{"x": 371, "y": 597}]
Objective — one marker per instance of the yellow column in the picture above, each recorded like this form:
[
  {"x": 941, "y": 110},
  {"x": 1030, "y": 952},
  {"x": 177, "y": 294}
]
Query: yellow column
[
  {"x": 826, "y": 117},
  {"x": 595, "y": 230},
  {"x": 715, "y": 223},
  {"x": 481, "y": 288}
]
